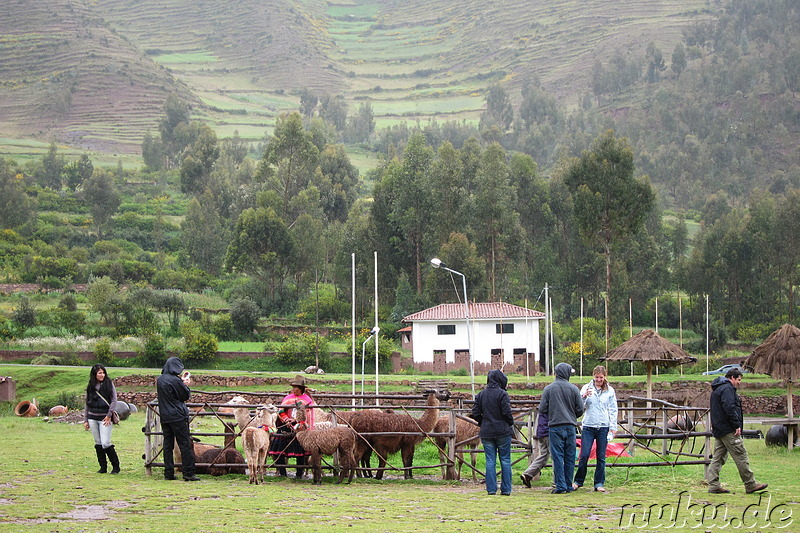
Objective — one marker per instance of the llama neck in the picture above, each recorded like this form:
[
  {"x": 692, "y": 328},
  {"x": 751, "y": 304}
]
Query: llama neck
[{"x": 429, "y": 418}]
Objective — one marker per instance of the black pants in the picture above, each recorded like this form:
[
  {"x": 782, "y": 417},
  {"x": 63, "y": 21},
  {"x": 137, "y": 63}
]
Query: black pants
[{"x": 178, "y": 431}]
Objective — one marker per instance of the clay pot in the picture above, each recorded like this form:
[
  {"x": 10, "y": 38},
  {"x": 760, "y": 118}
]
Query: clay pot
[
  {"x": 58, "y": 410},
  {"x": 26, "y": 408},
  {"x": 123, "y": 410}
]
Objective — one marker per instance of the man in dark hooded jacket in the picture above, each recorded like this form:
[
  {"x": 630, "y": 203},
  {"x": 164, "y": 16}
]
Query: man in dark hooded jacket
[
  {"x": 173, "y": 392},
  {"x": 562, "y": 404},
  {"x": 726, "y": 426},
  {"x": 492, "y": 412}
]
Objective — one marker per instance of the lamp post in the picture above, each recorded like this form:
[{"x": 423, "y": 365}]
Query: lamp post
[{"x": 437, "y": 263}]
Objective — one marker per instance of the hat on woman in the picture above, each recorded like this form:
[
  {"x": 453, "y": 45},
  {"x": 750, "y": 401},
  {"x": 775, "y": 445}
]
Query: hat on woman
[{"x": 299, "y": 381}]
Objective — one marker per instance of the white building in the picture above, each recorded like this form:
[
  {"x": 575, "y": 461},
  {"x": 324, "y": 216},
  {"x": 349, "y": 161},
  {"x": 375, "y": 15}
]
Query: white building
[{"x": 501, "y": 334}]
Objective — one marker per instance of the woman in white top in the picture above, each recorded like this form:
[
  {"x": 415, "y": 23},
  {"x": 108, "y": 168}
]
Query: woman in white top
[{"x": 599, "y": 425}]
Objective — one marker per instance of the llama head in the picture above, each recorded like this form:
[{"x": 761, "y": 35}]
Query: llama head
[{"x": 238, "y": 400}]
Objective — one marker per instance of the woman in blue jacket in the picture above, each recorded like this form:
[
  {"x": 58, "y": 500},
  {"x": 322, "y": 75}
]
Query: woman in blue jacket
[{"x": 492, "y": 412}]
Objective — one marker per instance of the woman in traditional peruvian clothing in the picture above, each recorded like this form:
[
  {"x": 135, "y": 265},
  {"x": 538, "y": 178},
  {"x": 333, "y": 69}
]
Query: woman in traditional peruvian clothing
[{"x": 283, "y": 443}]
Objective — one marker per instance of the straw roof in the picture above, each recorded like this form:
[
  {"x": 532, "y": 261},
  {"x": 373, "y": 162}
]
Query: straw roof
[
  {"x": 779, "y": 355},
  {"x": 648, "y": 347}
]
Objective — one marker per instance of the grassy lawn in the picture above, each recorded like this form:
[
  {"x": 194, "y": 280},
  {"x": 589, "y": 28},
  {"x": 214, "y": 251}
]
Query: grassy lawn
[{"x": 47, "y": 483}]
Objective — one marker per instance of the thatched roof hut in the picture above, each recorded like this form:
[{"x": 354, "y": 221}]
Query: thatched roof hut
[
  {"x": 779, "y": 357},
  {"x": 650, "y": 348}
]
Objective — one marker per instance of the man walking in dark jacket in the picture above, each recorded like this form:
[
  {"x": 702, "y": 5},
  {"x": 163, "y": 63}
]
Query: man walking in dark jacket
[
  {"x": 726, "y": 426},
  {"x": 492, "y": 412},
  {"x": 173, "y": 392},
  {"x": 562, "y": 404}
]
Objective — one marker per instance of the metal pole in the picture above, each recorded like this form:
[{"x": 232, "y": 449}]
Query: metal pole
[
  {"x": 546, "y": 333},
  {"x": 469, "y": 339},
  {"x": 581, "y": 336},
  {"x": 377, "y": 330},
  {"x": 353, "y": 323}
]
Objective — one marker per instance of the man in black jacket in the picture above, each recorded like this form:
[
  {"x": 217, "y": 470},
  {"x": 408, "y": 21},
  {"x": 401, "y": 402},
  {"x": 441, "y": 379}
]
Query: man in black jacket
[
  {"x": 492, "y": 412},
  {"x": 173, "y": 391},
  {"x": 726, "y": 426},
  {"x": 562, "y": 404}
]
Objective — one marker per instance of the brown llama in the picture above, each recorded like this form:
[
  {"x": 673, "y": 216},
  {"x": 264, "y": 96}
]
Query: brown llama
[
  {"x": 466, "y": 437},
  {"x": 319, "y": 442},
  {"x": 373, "y": 421}
]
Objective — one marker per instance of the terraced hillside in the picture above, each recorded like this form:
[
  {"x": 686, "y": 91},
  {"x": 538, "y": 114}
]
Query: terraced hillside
[
  {"x": 65, "y": 74},
  {"x": 247, "y": 60}
]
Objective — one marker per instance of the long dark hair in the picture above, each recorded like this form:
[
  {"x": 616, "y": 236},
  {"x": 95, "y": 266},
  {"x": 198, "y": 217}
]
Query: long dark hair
[{"x": 105, "y": 385}]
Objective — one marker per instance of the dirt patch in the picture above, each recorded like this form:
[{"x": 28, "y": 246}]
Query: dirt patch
[{"x": 94, "y": 512}]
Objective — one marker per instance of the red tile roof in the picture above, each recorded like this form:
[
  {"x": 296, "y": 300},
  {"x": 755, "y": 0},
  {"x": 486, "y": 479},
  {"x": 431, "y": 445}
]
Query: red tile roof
[{"x": 477, "y": 311}]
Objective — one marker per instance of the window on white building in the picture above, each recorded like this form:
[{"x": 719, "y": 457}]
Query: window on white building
[
  {"x": 503, "y": 328},
  {"x": 446, "y": 329}
]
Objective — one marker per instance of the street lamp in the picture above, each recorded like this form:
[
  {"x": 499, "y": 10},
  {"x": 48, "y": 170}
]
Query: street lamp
[{"x": 438, "y": 263}]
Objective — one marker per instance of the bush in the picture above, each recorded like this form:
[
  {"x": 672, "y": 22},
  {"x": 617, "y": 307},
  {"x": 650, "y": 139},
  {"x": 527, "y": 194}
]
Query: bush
[
  {"x": 153, "y": 353},
  {"x": 245, "y": 315},
  {"x": 220, "y": 326},
  {"x": 300, "y": 351},
  {"x": 201, "y": 348},
  {"x": 47, "y": 359},
  {"x": 24, "y": 314},
  {"x": 103, "y": 353}
]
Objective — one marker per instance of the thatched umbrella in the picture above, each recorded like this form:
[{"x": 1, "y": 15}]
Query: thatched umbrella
[
  {"x": 651, "y": 349},
  {"x": 779, "y": 357}
]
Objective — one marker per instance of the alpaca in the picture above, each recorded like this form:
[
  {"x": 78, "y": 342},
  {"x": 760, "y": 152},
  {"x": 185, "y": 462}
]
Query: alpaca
[
  {"x": 466, "y": 437},
  {"x": 212, "y": 454},
  {"x": 255, "y": 440},
  {"x": 220, "y": 456},
  {"x": 319, "y": 442},
  {"x": 384, "y": 445}
]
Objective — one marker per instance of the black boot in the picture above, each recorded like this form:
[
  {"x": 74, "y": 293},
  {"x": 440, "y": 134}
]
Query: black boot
[
  {"x": 101, "y": 458},
  {"x": 112, "y": 456},
  {"x": 300, "y": 471}
]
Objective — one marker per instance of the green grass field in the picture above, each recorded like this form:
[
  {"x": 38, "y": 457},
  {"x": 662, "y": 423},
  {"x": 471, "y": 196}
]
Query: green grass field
[{"x": 48, "y": 483}]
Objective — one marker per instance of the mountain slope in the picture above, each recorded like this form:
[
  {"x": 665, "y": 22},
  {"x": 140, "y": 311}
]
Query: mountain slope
[
  {"x": 66, "y": 75},
  {"x": 96, "y": 74}
]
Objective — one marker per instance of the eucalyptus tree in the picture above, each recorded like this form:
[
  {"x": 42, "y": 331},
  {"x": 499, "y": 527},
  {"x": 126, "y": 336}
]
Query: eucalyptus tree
[
  {"x": 289, "y": 161},
  {"x": 495, "y": 222},
  {"x": 611, "y": 204},
  {"x": 102, "y": 198},
  {"x": 448, "y": 193},
  {"x": 16, "y": 207},
  {"x": 337, "y": 181},
  {"x": 413, "y": 211},
  {"x": 785, "y": 249},
  {"x": 197, "y": 160},
  {"x": 261, "y": 247},
  {"x": 204, "y": 235}
]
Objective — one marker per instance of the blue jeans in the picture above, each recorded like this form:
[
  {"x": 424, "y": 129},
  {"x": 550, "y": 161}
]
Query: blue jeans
[
  {"x": 562, "y": 450},
  {"x": 588, "y": 436},
  {"x": 491, "y": 449}
]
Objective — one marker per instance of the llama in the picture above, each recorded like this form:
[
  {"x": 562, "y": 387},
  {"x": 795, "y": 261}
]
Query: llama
[
  {"x": 255, "y": 440},
  {"x": 319, "y": 442},
  {"x": 363, "y": 447},
  {"x": 242, "y": 414},
  {"x": 373, "y": 421},
  {"x": 466, "y": 437}
]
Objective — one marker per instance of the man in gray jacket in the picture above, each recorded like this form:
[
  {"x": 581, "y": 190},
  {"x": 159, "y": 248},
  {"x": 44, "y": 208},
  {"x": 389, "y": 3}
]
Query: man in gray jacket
[{"x": 562, "y": 404}]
